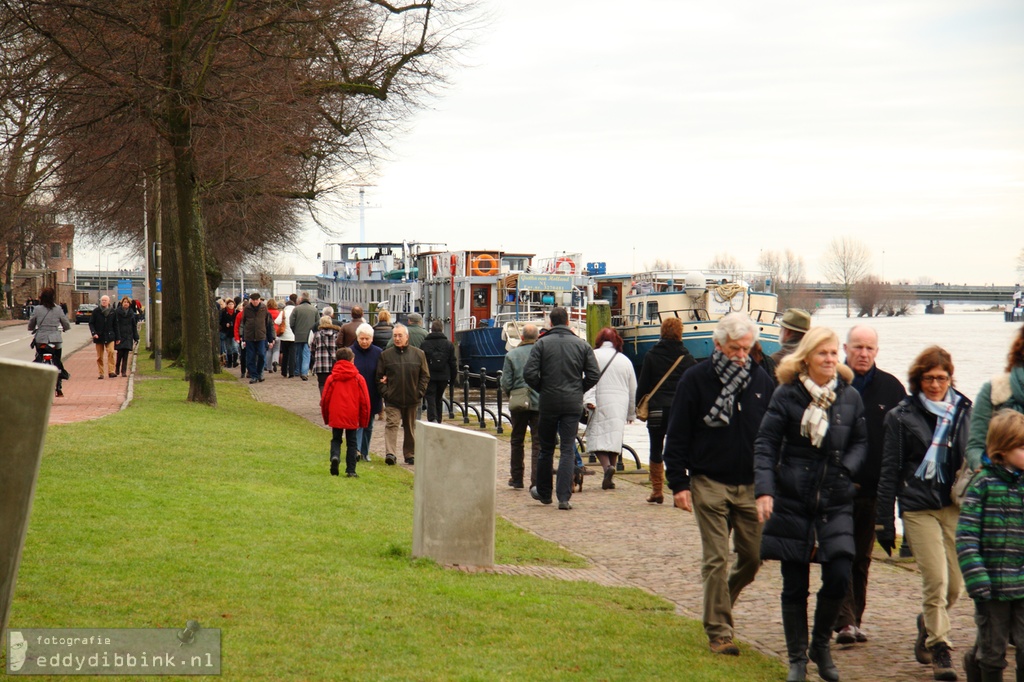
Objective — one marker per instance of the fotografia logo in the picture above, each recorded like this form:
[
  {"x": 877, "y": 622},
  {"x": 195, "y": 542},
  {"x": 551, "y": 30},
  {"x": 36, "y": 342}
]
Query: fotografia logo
[
  {"x": 16, "y": 651},
  {"x": 192, "y": 650}
]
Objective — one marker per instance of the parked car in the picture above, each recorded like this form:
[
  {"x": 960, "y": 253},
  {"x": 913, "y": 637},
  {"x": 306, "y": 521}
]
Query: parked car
[{"x": 84, "y": 313}]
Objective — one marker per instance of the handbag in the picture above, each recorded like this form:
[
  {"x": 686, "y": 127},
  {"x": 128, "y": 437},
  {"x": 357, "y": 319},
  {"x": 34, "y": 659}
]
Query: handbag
[
  {"x": 960, "y": 483},
  {"x": 519, "y": 400},
  {"x": 585, "y": 414},
  {"x": 642, "y": 407}
]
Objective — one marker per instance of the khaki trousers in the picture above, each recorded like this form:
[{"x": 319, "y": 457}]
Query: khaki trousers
[
  {"x": 932, "y": 534},
  {"x": 718, "y": 508},
  {"x": 395, "y": 417},
  {"x": 105, "y": 350}
]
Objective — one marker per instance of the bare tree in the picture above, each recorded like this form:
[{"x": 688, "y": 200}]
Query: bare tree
[
  {"x": 661, "y": 264},
  {"x": 239, "y": 98},
  {"x": 787, "y": 273},
  {"x": 724, "y": 261},
  {"x": 1020, "y": 262},
  {"x": 846, "y": 262}
]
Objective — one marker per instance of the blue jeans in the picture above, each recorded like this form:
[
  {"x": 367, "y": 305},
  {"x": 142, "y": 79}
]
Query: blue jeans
[
  {"x": 563, "y": 427},
  {"x": 363, "y": 437},
  {"x": 300, "y": 358},
  {"x": 256, "y": 355}
]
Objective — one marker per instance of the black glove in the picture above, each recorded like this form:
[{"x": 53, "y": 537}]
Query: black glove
[{"x": 886, "y": 536}]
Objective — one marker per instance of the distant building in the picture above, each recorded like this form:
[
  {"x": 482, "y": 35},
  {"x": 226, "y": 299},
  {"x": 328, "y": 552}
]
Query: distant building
[{"x": 41, "y": 255}]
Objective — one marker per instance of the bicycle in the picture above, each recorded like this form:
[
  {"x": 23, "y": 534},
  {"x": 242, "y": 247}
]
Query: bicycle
[{"x": 44, "y": 355}]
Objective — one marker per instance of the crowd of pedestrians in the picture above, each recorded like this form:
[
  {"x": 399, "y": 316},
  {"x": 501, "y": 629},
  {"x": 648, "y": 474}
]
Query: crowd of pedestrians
[{"x": 804, "y": 457}]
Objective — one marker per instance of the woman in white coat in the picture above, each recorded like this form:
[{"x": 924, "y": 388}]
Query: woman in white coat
[{"x": 612, "y": 402}]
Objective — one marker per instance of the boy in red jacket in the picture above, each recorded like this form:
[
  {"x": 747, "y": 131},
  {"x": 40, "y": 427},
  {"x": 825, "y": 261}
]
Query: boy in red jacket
[{"x": 345, "y": 406}]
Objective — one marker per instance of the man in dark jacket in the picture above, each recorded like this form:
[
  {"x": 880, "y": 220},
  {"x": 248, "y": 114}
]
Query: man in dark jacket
[
  {"x": 402, "y": 377},
  {"x": 102, "y": 328},
  {"x": 440, "y": 354},
  {"x": 257, "y": 335},
  {"x": 561, "y": 368},
  {"x": 303, "y": 320},
  {"x": 522, "y": 417},
  {"x": 880, "y": 392},
  {"x": 709, "y": 462},
  {"x": 348, "y": 330}
]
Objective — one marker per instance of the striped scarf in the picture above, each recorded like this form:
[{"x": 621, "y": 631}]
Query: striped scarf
[
  {"x": 734, "y": 379},
  {"x": 933, "y": 466},
  {"x": 814, "y": 423}
]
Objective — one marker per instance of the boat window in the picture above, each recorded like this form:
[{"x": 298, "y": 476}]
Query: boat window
[
  {"x": 652, "y": 310},
  {"x": 462, "y": 299},
  {"x": 610, "y": 294}
]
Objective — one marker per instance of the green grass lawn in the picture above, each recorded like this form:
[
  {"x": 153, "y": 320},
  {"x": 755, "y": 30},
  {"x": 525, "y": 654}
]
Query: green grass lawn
[{"x": 168, "y": 511}]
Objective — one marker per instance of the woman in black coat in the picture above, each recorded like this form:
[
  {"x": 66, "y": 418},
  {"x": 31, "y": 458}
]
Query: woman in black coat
[
  {"x": 811, "y": 441},
  {"x": 126, "y": 333},
  {"x": 658, "y": 362},
  {"x": 925, "y": 444}
]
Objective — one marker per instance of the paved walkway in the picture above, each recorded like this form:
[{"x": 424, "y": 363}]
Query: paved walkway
[
  {"x": 85, "y": 396},
  {"x": 657, "y": 548}
]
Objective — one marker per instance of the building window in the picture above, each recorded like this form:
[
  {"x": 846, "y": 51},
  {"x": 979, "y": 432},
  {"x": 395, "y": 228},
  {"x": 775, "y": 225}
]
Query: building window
[
  {"x": 55, "y": 250},
  {"x": 69, "y": 252}
]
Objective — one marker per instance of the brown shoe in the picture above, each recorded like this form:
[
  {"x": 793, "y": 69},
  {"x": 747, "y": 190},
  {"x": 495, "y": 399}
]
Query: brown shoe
[
  {"x": 942, "y": 663},
  {"x": 657, "y": 483},
  {"x": 724, "y": 645},
  {"x": 921, "y": 652}
]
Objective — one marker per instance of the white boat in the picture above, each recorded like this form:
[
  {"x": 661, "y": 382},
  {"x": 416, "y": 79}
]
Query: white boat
[
  {"x": 372, "y": 275},
  {"x": 640, "y": 302}
]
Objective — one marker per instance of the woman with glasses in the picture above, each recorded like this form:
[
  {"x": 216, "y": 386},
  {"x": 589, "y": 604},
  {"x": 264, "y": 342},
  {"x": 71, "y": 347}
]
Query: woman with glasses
[{"x": 924, "y": 447}]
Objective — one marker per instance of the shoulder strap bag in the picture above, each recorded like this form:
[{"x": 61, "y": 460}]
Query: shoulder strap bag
[
  {"x": 585, "y": 415},
  {"x": 642, "y": 407}
]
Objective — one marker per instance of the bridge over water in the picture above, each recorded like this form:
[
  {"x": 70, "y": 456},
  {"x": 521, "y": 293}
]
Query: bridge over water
[{"x": 924, "y": 293}]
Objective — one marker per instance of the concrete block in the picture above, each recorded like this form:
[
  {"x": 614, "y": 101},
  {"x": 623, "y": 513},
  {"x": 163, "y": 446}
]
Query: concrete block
[
  {"x": 454, "y": 498},
  {"x": 25, "y": 405}
]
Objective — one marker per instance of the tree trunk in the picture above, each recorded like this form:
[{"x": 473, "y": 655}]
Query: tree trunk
[
  {"x": 196, "y": 337},
  {"x": 171, "y": 319}
]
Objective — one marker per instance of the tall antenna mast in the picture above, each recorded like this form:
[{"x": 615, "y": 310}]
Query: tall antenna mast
[{"x": 362, "y": 211}]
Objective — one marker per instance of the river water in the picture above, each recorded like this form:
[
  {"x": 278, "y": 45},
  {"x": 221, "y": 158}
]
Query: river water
[{"x": 978, "y": 342}]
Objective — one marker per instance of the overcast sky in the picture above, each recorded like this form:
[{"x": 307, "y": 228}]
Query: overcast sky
[{"x": 679, "y": 129}]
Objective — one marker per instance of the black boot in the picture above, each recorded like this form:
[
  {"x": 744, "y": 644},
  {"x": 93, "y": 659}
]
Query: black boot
[
  {"x": 335, "y": 457},
  {"x": 825, "y": 614},
  {"x": 971, "y": 668},
  {"x": 794, "y": 624}
]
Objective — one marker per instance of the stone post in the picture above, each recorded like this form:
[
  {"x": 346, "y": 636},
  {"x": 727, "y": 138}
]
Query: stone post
[
  {"x": 454, "y": 498},
  {"x": 599, "y": 316},
  {"x": 25, "y": 406}
]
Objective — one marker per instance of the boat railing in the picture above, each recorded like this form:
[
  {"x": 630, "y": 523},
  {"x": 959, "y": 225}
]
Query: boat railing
[{"x": 764, "y": 316}]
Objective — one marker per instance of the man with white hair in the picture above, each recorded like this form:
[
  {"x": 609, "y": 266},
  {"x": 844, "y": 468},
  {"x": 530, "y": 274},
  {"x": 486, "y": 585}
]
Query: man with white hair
[
  {"x": 880, "y": 392},
  {"x": 709, "y": 462},
  {"x": 101, "y": 326},
  {"x": 402, "y": 377}
]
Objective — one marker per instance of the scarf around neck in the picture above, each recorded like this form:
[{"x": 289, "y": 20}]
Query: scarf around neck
[
  {"x": 933, "y": 466},
  {"x": 814, "y": 423},
  {"x": 734, "y": 379}
]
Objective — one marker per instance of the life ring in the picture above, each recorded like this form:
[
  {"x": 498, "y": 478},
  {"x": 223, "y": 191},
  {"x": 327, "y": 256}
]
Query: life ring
[
  {"x": 454, "y": 263},
  {"x": 485, "y": 265},
  {"x": 564, "y": 260},
  {"x": 434, "y": 263}
]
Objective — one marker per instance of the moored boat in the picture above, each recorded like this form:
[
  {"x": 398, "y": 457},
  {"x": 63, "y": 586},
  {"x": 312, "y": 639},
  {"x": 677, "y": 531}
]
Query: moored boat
[
  {"x": 372, "y": 275},
  {"x": 640, "y": 302},
  {"x": 485, "y": 297}
]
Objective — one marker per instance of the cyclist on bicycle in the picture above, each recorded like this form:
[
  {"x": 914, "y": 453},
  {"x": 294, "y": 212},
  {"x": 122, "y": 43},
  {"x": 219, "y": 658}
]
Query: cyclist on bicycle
[{"x": 48, "y": 323}]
